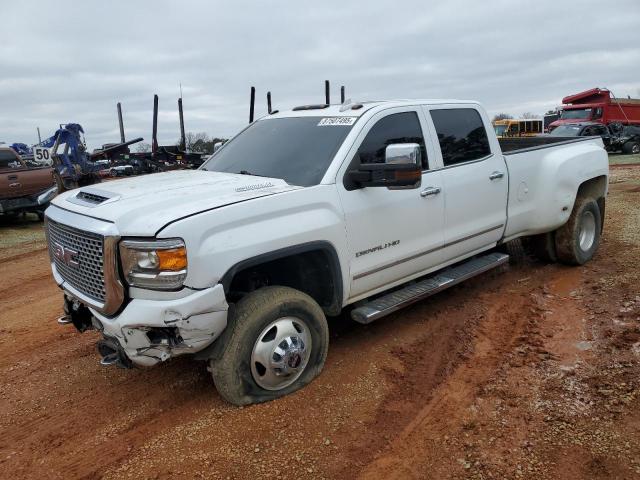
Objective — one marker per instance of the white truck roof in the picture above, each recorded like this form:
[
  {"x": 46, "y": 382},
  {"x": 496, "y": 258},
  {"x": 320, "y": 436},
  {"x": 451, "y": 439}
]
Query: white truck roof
[{"x": 336, "y": 110}]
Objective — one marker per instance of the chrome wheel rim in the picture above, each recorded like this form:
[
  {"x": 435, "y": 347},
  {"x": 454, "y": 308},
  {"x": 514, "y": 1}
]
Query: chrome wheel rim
[
  {"x": 587, "y": 231},
  {"x": 281, "y": 353},
  {"x": 636, "y": 148}
]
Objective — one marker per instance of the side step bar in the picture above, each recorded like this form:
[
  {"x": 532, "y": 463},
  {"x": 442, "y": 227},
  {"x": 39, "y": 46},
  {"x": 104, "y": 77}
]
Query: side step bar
[{"x": 391, "y": 302}]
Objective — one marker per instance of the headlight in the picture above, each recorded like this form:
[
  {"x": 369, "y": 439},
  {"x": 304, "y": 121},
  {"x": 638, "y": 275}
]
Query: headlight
[{"x": 154, "y": 264}]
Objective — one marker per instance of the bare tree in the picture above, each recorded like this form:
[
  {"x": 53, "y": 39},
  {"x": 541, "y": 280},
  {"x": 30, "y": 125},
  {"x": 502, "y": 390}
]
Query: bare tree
[
  {"x": 502, "y": 116},
  {"x": 196, "y": 142},
  {"x": 143, "y": 147},
  {"x": 529, "y": 115}
]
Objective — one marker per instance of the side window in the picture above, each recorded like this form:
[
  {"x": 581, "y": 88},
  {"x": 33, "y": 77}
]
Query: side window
[
  {"x": 9, "y": 160},
  {"x": 461, "y": 134},
  {"x": 394, "y": 128}
]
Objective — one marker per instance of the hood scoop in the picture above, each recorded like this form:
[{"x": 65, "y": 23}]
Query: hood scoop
[{"x": 91, "y": 197}]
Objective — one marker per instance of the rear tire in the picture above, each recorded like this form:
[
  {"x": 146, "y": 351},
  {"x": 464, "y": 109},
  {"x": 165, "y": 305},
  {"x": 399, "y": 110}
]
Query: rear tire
[
  {"x": 579, "y": 238},
  {"x": 542, "y": 246},
  {"x": 275, "y": 343},
  {"x": 631, "y": 148}
]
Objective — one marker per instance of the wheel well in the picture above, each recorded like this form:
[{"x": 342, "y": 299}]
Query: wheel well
[
  {"x": 312, "y": 269},
  {"x": 595, "y": 188}
]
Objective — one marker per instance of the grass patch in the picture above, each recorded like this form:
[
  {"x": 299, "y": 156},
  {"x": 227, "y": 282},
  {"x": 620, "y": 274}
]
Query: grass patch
[{"x": 618, "y": 159}]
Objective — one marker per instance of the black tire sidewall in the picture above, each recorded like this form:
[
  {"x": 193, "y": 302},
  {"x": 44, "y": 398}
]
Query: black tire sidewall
[
  {"x": 628, "y": 147},
  {"x": 583, "y": 256}
]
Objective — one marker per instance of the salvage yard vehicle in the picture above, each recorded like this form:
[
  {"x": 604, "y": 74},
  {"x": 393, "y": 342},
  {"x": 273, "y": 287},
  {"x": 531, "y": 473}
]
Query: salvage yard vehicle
[
  {"x": 23, "y": 188},
  {"x": 367, "y": 207},
  {"x": 518, "y": 127},
  {"x": 615, "y": 137}
]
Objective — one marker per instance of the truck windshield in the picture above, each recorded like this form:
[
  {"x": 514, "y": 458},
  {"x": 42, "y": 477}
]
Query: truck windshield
[
  {"x": 298, "y": 150},
  {"x": 575, "y": 114},
  {"x": 566, "y": 131}
]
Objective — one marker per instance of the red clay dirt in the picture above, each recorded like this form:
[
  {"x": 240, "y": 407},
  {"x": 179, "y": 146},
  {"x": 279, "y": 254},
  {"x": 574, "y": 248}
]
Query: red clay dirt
[{"x": 527, "y": 372}]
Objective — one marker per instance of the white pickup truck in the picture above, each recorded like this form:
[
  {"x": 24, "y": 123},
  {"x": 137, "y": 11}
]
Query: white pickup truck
[{"x": 367, "y": 206}]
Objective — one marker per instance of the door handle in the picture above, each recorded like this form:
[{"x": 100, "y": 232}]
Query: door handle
[
  {"x": 495, "y": 175},
  {"x": 12, "y": 177},
  {"x": 430, "y": 191}
]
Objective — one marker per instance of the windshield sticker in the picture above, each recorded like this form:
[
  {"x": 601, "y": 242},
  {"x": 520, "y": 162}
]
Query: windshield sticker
[{"x": 332, "y": 121}]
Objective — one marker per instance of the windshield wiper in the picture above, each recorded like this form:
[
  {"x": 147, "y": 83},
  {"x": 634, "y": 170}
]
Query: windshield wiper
[{"x": 246, "y": 172}]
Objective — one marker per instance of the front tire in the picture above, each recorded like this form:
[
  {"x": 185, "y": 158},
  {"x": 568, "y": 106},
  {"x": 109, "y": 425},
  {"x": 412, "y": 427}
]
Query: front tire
[
  {"x": 579, "y": 238},
  {"x": 276, "y": 342},
  {"x": 631, "y": 148}
]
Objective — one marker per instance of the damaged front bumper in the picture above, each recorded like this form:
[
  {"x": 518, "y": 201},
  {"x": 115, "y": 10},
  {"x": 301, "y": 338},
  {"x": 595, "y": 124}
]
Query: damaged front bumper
[{"x": 148, "y": 332}]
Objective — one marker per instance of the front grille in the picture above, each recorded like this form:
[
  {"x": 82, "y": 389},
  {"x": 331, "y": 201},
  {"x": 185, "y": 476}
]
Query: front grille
[{"x": 86, "y": 250}]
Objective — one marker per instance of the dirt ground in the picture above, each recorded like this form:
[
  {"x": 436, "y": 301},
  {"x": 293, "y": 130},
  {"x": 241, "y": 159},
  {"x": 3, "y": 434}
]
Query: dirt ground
[{"x": 529, "y": 372}]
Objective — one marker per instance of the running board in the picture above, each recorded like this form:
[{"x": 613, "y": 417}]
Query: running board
[{"x": 391, "y": 302}]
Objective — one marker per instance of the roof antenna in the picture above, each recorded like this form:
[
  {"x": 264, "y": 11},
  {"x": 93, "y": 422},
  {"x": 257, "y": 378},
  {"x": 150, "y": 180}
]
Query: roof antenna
[
  {"x": 252, "y": 104},
  {"x": 269, "y": 103},
  {"x": 154, "y": 132},
  {"x": 327, "y": 93},
  {"x": 342, "y": 94},
  {"x": 122, "y": 140}
]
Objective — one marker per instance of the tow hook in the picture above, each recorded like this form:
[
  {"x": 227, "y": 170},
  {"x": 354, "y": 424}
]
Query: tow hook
[
  {"x": 77, "y": 314},
  {"x": 112, "y": 354},
  {"x": 65, "y": 320}
]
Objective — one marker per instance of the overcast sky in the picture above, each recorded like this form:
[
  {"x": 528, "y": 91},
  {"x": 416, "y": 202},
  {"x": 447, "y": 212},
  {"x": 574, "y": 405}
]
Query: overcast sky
[{"x": 71, "y": 61}]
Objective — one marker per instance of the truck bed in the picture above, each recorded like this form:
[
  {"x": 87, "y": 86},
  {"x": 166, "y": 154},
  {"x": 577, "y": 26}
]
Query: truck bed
[
  {"x": 544, "y": 176},
  {"x": 510, "y": 146}
]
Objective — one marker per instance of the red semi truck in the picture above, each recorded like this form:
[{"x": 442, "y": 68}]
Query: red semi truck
[{"x": 598, "y": 105}]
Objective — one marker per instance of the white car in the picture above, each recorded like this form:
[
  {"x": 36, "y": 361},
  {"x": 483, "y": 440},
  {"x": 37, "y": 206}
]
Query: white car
[{"x": 366, "y": 207}]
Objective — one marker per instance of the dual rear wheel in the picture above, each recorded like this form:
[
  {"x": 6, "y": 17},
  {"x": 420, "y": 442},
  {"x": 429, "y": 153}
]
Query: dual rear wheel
[{"x": 575, "y": 242}]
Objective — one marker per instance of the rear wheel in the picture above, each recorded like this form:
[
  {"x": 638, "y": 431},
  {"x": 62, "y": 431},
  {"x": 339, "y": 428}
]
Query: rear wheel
[
  {"x": 579, "y": 238},
  {"x": 631, "y": 148},
  {"x": 275, "y": 343}
]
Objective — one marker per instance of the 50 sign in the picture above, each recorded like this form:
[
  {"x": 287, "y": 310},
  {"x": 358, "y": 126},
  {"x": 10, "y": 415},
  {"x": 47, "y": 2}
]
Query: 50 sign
[{"x": 42, "y": 155}]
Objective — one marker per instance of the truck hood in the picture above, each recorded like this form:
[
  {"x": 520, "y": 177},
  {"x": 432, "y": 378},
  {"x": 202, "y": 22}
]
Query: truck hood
[{"x": 144, "y": 205}]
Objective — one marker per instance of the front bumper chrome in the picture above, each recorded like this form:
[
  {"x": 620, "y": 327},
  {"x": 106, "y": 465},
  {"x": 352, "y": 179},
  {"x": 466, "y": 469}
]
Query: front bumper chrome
[{"x": 198, "y": 319}]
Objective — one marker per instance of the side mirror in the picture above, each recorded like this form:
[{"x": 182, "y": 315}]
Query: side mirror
[{"x": 402, "y": 168}]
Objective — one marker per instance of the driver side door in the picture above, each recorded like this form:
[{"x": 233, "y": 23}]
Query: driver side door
[{"x": 394, "y": 234}]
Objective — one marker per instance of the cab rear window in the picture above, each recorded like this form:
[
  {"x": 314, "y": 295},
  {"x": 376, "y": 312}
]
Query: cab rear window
[{"x": 461, "y": 135}]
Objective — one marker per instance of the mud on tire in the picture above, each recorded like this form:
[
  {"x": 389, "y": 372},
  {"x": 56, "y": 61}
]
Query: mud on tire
[
  {"x": 578, "y": 239},
  {"x": 232, "y": 368}
]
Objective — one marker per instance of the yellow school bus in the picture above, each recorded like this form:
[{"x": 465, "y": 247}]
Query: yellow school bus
[{"x": 518, "y": 127}]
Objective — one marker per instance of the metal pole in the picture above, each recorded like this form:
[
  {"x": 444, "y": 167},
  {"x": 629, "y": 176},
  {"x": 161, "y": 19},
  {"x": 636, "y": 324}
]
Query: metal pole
[
  {"x": 342, "y": 94},
  {"x": 154, "y": 133},
  {"x": 39, "y": 137},
  {"x": 327, "y": 93},
  {"x": 122, "y": 139},
  {"x": 183, "y": 137},
  {"x": 252, "y": 104}
]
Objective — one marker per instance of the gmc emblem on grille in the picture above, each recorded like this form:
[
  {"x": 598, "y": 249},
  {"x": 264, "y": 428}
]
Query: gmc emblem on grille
[{"x": 66, "y": 255}]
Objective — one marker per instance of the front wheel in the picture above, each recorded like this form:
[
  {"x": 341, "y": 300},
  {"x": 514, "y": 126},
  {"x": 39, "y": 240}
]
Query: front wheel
[
  {"x": 276, "y": 342},
  {"x": 631, "y": 148},
  {"x": 579, "y": 238}
]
